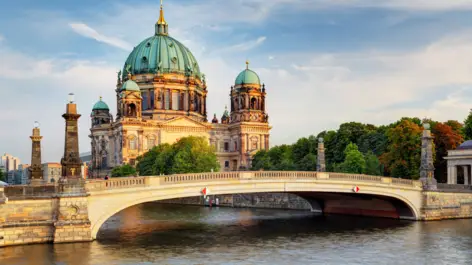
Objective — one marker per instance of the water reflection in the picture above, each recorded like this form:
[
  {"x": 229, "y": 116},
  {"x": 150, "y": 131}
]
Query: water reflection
[{"x": 170, "y": 234}]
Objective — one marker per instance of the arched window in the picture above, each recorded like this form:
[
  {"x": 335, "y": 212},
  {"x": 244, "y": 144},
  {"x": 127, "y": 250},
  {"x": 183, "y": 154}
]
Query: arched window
[
  {"x": 151, "y": 141},
  {"x": 133, "y": 142},
  {"x": 131, "y": 111},
  {"x": 253, "y": 103}
]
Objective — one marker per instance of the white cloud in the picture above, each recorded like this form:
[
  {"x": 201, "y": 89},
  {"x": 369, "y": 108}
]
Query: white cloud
[
  {"x": 89, "y": 32},
  {"x": 244, "y": 46}
]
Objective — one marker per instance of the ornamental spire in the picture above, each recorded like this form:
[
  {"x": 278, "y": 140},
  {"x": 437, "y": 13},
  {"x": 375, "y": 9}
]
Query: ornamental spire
[
  {"x": 247, "y": 64},
  {"x": 161, "y": 24}
]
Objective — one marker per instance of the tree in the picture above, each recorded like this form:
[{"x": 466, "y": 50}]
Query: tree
[
  {"x": 194, "y": 155},
  {"x": 188, "y": 155},
  {"x": 354, "y": 162},
  {"x": 281, "y": 157},
  {"x": 2, "y": 175},
  {"x": 261, "y": 160},
  {"x": 372, "y": 165},
  {"x": 445, "y": 138},
  {"x": 402, "y": 158},
  {"x": 303, "y": 147},
  {"x": 123, "y": 171},
  {"x": 308, "y": 163},
  {"x": 468, "y": 127}
]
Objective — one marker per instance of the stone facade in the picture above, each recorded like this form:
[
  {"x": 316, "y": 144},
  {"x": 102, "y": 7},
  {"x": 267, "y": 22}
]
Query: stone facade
[
  {"x": 440, "y": 205},
  {"x": 162, "y": 101}
]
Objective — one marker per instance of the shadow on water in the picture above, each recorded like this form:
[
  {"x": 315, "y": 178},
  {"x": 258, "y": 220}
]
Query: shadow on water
[{"x": 174, "y": 225}]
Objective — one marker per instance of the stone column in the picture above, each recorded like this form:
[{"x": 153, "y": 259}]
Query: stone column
[
  {"x": 465, "y": 169},
  {"x": 427, "y": 167},
  {"x": 36, "y": 171},
  {"x": 170, "y": 98},
  {"x": 320, "y": 161},
  {"x": 71, "y": 163}
]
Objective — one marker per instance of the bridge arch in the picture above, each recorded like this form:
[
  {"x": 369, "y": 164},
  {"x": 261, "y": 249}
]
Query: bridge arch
[{"x": 104, "y": 203}]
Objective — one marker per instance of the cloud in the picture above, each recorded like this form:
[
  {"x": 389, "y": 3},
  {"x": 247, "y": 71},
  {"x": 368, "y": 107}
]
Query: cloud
[
  {"x": 89, "y": 32},
  {"x": 244, "y": 46}
]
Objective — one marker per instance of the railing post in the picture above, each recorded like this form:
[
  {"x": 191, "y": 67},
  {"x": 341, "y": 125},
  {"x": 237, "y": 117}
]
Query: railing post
[
  {"x": 387, "y": 180},
  {"x": 322, "y": 175}
]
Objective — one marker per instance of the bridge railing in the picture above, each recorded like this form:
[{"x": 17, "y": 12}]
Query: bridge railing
[
  {"x": 134, "y": 182},
  {"x": 19, "y": 192},
  {"x": 116, "y": 183}
]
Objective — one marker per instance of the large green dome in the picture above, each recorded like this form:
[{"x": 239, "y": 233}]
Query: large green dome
[
  {"x": 247, "y": 77},
  {"x": 163, "y": 52}
]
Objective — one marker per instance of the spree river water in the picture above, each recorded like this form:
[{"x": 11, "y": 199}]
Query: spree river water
[{"x": 169, "y": 234}]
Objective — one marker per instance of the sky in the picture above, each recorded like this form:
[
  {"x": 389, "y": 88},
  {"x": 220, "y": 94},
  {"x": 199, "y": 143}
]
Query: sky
[{"x": 324, "y": 62}]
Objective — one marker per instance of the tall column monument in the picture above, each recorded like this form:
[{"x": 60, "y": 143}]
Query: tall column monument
[
  {"x": 36, "y": 172},
  {"x": 427, "y": 166},
  {"x": 321, "y": 163},
  {"x": 71, "y": 163}
]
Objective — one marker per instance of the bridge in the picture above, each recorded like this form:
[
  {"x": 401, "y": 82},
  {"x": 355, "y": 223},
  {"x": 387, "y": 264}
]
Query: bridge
[
  {"x": 68, "y": 213},
  {"x": 397, "y": 198}
]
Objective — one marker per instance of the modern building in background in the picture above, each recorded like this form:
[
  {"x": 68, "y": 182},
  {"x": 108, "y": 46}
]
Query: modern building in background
[
  {"x": 161, "y": 97},
  {"x": 9, "y": 162},
  {"x": 23, "y": 174}
]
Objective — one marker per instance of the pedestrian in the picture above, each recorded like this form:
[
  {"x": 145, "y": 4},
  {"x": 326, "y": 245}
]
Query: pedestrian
[{"x": 106, "y": 177}]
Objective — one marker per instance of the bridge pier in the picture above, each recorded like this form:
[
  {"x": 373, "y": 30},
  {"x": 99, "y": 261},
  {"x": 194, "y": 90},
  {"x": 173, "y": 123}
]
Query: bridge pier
[{"x": 72, "y": 223}]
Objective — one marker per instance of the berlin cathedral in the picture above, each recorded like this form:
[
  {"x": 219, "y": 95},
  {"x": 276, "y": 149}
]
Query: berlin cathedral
[{"x": 161, "y": 97}]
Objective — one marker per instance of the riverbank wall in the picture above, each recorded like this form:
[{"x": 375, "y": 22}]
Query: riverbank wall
[{"x": 284, "y": 201}]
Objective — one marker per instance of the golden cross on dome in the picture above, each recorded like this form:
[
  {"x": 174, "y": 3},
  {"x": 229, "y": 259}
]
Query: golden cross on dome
[{"x": 247, "y": 64}]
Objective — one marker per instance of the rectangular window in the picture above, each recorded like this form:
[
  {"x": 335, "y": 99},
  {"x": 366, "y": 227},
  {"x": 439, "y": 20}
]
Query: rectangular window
[
  {"x": 175, "y": 101},
  {"x": 226, "y": 164},
  {"x": 226, "y": 146},
  {"x": 145, "y": 100},
  {"x": 235, "y": 146},
  {"x": 151, "y": 95},
  {"x": 167, "y": 99}
]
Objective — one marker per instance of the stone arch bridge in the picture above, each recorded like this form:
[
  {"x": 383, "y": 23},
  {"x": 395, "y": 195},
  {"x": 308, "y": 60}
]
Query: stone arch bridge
[{"x": 58, "y": 214}]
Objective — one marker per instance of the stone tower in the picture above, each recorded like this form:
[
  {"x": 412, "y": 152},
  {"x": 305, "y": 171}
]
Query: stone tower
[
  {"x": 320, "y": 160},
  {"x": 427, "y": 166},
  {"x": 36, "y": 172},
  {"x": 71, "y": 163}
]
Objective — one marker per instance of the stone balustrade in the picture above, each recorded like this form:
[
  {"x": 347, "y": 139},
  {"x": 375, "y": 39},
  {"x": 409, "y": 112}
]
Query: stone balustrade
[{"x": 133, "y": 182}]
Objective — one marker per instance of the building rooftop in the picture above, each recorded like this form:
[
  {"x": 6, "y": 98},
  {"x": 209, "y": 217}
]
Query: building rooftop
[{"x": 465, "y": 145}]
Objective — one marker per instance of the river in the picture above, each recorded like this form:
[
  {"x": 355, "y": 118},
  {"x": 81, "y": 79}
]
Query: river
[{"x": 169, "y": 234}]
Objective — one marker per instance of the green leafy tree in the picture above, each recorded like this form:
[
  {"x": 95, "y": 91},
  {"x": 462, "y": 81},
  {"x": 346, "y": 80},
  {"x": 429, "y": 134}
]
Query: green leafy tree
[
  {"x": 194, "y": 155},
  {"x": 307, "y": 163},
  {"x": 2, "y": 175},
  {"x": 188, "y": 155},
  {"x": 354, "y": 162},
  {"x": 123, "y": 171},
  {"x": 372, "y": 165},
  {"x": 468, "y": 127},
  {"x": 261, "y": 161},
  {"x": 402, "y": 158},
  {"x": 303, "y": 147}
]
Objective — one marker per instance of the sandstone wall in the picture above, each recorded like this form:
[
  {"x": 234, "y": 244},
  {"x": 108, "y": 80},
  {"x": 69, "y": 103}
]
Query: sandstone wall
[
  {"x": 440, "y": 205},
  {"x": 27, "y": 221}
]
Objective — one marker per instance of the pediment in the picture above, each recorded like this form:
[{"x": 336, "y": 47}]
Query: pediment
[{"x": 185, "y": 122}]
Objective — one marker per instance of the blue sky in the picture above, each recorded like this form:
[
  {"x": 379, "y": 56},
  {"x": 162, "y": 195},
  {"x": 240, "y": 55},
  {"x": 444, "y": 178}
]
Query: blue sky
[{"x": 324, "y": 62}]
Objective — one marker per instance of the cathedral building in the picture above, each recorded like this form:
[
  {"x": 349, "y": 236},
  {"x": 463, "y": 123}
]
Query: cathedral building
[{"x": 161, "y": 96}]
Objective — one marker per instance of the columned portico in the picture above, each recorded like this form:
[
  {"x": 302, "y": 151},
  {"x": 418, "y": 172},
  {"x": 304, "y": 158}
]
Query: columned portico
[{"x": 460, "y": 160}]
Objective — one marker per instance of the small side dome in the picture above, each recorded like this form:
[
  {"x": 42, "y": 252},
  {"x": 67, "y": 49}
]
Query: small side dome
[
  {"x": 247, "y": 77},
  {"x": 100, "y": 105},
  {"x": 467, "y": 145},
  {"x": 130, "y": 85}
]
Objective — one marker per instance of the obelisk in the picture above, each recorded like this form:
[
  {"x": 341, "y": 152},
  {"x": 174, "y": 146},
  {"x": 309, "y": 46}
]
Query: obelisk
[
  {"x": 71, "y": 163},
  {"x": 36, "y": 172}
]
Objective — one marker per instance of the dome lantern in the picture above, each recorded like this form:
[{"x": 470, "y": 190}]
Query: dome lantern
[{"x": 162, "y": 28}]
